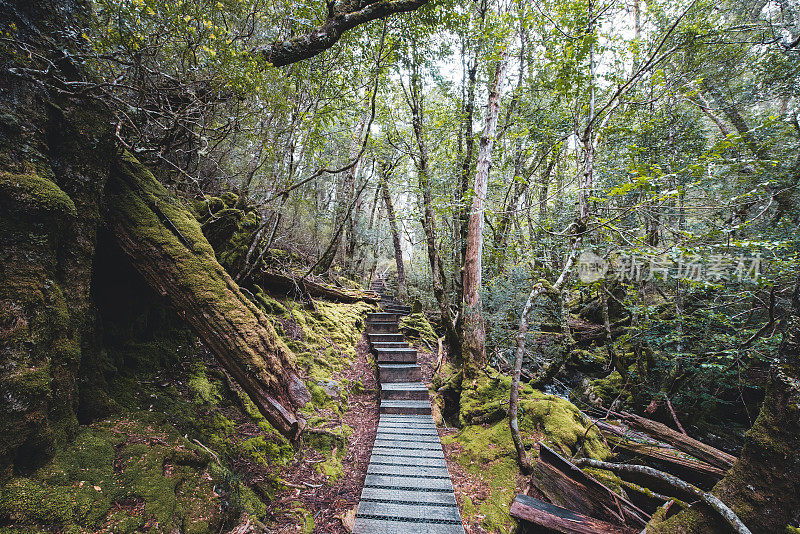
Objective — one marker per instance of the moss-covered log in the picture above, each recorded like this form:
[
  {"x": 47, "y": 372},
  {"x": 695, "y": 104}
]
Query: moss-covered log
[
  {"x": 167, "y": 247},
  {"x": 276, "y": 282}
]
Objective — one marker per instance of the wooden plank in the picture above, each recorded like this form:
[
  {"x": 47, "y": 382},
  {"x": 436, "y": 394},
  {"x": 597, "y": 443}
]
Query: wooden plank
[
  {"x": 682, "y": 442},
  {"x": 674, "y": 461},
  {"x": 558, "y": 519},
  {"x": 418, "y": 406},
  {"x": 565, "y": 484}
]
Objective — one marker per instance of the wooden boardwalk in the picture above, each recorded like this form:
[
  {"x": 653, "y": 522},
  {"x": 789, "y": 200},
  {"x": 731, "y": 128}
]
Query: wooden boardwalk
[{"x": 408, "y": 488}]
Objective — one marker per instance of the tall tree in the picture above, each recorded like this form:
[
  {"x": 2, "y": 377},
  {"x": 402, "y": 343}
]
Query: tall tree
[
  {"x": 385, "y": 170},
  {"x": 474, "y": 329}
]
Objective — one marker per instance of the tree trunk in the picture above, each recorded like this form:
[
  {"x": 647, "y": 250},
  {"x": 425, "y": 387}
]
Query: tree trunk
[
  {"x": 56, "y": 152},
  {"x": 398, "y": 251},
  {"x": 167, "y": 248},
  {"x": 344, "y": 200},
  {"x": 462, "y": 213},
  {"x": 428, "y": 217},
  {"x": 763, "y": 486},
  {"x": 473, "y": 328}
]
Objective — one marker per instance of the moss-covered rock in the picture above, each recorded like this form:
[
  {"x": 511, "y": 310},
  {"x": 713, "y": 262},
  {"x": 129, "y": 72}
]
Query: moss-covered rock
[
  {"x": 119, "y": 474},
  {"x": 486, "y": 449},
  {"x": 611, "y": 389},
  {"x": 417, "y": 325}
]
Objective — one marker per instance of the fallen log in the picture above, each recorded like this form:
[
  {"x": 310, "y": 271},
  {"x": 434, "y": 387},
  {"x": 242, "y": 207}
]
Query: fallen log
[
  {"x": 274, "y": 281},
  {"x": 708, "y": 498},
  {"x": 167, "y": 247},
  {"x": 685, "y": 465},
  {"x": 680, "y": 441},
  {"x": 564, "y": 484},
  {"x": 535, "y": 515}
]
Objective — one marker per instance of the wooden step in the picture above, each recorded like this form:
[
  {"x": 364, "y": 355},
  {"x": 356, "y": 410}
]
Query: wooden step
[
  {"x": 381, "y": 316},
  {"x": 382, "y": 327},
  {"x": 378, "y": 337},
  {"x": 395, "y": 308},
  {"x": 402, "y": 355},
  {"x": 406, "y": 406},
  {"x": 399, "y": 372},
  {"x": 404, "y": 391},
  {"x": 377, "y": 345}
]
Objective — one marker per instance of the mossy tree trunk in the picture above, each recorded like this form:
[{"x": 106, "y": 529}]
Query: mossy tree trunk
[
  {"x": 54, "y": 158},
  {"x": 167, "y": 247},
  {"x": 763, "y": 486}
]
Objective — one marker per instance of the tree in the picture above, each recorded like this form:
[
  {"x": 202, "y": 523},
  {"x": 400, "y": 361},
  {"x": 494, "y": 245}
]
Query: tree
[{"x": 474, "y": 333}]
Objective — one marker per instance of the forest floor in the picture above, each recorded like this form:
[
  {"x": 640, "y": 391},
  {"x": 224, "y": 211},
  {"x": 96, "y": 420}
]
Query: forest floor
[{"x": 330, "y": 501}]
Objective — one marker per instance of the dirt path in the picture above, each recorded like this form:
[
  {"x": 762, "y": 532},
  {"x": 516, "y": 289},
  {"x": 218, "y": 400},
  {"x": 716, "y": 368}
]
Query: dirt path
[{"x": 328, "y": 502}]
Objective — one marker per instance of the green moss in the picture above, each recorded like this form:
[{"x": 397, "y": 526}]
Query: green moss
[
  {"x": 204, "y": 390},
  {"x": 486, "y": 451},
  {"x": 32, "y": 192},
  {"x": 25, "y": 501},
  {"x": 318, "y": 395},
  {"x": 269, "y": 304},
  {"x": 610, "y": 388},
  {"x": 331, "y": 468},
  {"x": 118, "y": 461},
  {"x": 418, "y": 324},
  {"x": 502, "y": 477},
  {"x": 468, "y": 508}
]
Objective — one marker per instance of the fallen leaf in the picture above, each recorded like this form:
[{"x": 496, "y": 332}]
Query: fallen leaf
[{"x": 348, "y": 519}]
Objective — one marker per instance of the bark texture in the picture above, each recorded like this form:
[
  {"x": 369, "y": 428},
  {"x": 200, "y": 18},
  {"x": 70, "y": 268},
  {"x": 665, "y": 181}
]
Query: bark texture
[
  {"x": 167, "y": 247},
  {"x": 54, "y": 157}
]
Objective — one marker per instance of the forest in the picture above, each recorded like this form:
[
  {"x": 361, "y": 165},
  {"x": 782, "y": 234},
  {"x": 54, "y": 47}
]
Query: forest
[{"x": 399, "y": 266}]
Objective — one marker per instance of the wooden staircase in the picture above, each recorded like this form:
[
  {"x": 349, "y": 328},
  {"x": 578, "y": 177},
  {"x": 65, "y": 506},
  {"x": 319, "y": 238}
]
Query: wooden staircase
[{"x": 408, "y": 488}]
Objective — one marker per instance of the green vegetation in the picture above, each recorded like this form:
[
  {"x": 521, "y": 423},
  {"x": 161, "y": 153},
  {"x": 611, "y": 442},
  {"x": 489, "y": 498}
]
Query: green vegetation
[{"x": 486, "y": 450}]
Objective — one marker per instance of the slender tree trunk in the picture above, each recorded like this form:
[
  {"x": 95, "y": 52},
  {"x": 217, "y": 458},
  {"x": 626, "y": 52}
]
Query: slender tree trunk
[
  {"x": 398, "y": 251},
  {"x": 519, "y": 356},
  {"x": 415, "y": 102},
  {"x": 474, "y": 330},
  {"x": 587, "y": 181},
  {"x": 344, "y": 197},
  {"x": 167, "y": 248}
]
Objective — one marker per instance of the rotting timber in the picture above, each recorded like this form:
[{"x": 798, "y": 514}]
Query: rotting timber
[{"x": 167, "y": 247}]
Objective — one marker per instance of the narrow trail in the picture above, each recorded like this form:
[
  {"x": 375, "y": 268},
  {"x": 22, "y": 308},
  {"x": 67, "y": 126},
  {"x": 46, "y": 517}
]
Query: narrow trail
[{"x": 407, "y": 489}]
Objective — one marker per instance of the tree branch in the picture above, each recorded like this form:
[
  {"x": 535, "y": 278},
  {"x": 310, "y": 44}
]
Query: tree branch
[{"x": 302, "y": 47}]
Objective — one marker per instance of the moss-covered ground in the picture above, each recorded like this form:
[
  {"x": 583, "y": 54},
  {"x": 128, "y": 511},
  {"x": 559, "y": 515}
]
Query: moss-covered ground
[
  {"x": 169, "y": 443},
  {"x": 485, "y": 452}
]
